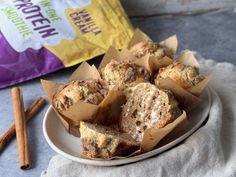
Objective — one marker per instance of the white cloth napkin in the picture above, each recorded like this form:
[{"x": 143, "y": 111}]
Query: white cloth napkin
[{"x": 210, "y": 151}]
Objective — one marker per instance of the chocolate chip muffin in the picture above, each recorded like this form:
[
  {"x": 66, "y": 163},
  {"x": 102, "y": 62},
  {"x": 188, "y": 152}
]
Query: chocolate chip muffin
[
  {"x": 154, "y": 49},
  {"x": 184, "y": 75},
  {"x": 147, "y": 106},
  {"x": 104, "y": 142},
  {"x": 124, "y": 73},
  {"x": 90, "y": 91}
]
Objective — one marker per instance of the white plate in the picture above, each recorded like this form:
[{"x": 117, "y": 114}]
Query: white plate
[{"x": 69, "y": 146}]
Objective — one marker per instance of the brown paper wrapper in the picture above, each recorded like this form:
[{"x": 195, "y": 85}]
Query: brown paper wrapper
[
  {"x": 187, "y": 57},
  {"x": 138, "y": 36},
  {"x": 86, "y": 112},
  {"x": 114, "y": 54},
  {"x": 187, "y": 100},
  {"x": 84, "y": 72},
  {"x": 157, "y": 64},
  {"x": 171, "y": 43},
  {"x": 198, "y": 89},
  {"x": 125, "y": 56},
  {"x": 147, "y": 61},
  {"x": 111, "y": 54},
  {"x": 153, "y": 136},
  {"x": 144, "y": 61}
]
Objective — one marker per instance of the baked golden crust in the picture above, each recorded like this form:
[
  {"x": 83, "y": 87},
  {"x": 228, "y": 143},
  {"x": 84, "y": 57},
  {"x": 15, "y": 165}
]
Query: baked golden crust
[
  {"x": 154, "y": 49},
  {"x": 89, "y": 91},
  {"x": 147, "y": 106},
  {"x": 124, "y": 73},
  {"x": 104, "y": 142},
  {"x": 184, "y": 75}
]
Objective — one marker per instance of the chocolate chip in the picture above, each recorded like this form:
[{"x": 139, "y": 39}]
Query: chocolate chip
[
  {"x": 144, "y": 127},
  {"x": 59, "y": 105},
  {"x": 134, "y": 114},
  {"x": 138, "y": 123},
  {"x": 80, "y": 82},
  {"x": 93, "y": 99},
  {"x": 67, "y": 101},
  {"x": 103, "y": 92},
  {"x": 129, "y": 75}
]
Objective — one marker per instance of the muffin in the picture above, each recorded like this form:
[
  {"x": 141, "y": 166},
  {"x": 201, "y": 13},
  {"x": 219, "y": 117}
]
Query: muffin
[
  {"x": 124, "y": 73},
  {"x": 147, "y": 106},
  {"x": 104, "y": 142},
  {"x": 184, "y": 75},
  {"x": 154, "y": 49},
  {"x": 90, "y": 91}
]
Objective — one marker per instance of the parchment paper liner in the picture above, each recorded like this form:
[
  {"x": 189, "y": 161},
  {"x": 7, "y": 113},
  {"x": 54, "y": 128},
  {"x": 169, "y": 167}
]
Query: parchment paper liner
[
  {"x": 122, "y": 56},
  {"x": 187, "y": 98},
  {"x": 139, "y": 36},
  {"x": 87, "y": 112},
  {"x": 126, "y": 56},
  {"x": 187, "y": 57},
  {"x": 147, "y": 61},
  {"x": 151, "y": 138},
  {"x": 171, "y": 43}
]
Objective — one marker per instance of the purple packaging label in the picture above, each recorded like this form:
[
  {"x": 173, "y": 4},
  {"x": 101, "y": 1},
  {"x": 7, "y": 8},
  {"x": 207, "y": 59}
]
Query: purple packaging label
[{"x": 14, "y": 64}]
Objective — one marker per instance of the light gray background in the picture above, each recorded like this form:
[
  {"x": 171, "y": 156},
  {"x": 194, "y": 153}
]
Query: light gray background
[
  {"x": 211, "y": 34},
  {"x": 155, "y": 7}
]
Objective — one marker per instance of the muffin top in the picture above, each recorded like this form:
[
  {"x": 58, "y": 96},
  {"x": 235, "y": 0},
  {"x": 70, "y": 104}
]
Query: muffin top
[
  {"x": 184, "y": 75},
  {"x": 154, "y": 49},
  {"x": 90, "y": 91},
  {"x": 124, "y": 73}
]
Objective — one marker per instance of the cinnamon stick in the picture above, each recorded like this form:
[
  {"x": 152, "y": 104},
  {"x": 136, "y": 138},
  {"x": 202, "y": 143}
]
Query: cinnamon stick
[
  {"x": 33, "y": 109},
  {"x": 21, "y": 129}
]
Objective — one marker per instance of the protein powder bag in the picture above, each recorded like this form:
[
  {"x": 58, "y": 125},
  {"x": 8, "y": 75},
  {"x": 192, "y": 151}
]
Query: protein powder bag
[{"x": 41, "y": 36}]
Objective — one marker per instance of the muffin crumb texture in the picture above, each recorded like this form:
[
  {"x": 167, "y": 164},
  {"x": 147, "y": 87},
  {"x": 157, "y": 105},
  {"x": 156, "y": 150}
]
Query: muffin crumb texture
[
  {"x": 104, "y": 142},
  {"x": 147, "y": 106}
]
